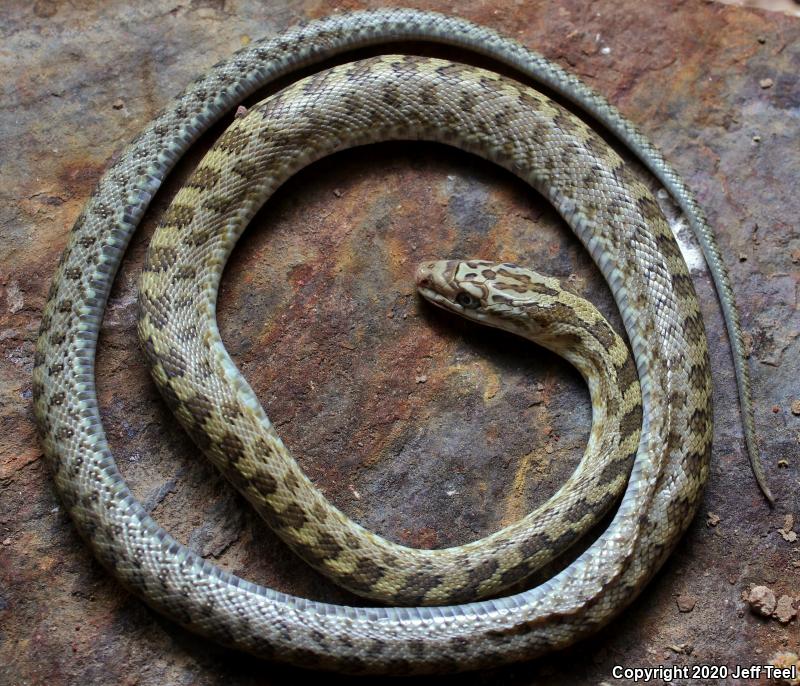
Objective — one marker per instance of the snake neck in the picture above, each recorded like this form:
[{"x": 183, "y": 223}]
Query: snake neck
[{"x": 572, "y": 328}]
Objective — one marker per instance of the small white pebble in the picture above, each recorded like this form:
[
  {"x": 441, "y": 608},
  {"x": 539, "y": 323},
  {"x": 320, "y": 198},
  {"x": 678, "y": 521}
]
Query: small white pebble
[
  {"x": 761, "y": 600},
  {"x": 785, "y": 610}
]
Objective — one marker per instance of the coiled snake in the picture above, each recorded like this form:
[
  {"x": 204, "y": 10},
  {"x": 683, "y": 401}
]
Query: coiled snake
[{"x": 372, "y": 100}]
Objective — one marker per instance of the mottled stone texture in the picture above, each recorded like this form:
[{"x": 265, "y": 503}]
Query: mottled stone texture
[{"x": 422, "y": 427}]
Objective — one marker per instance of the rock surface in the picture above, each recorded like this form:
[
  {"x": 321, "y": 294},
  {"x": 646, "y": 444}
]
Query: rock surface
[{"x": 318, "y": 310}]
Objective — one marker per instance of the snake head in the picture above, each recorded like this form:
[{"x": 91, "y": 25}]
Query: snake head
[{"x": 488, "y": 292}]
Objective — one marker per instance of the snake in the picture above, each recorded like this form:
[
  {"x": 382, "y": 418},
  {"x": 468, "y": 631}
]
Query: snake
[
  {"x": 384, "y": 98},
  {"x": 187, "y": 360}
]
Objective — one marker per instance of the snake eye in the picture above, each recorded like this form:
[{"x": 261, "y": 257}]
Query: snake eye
[{"x": 466, "y": 300}]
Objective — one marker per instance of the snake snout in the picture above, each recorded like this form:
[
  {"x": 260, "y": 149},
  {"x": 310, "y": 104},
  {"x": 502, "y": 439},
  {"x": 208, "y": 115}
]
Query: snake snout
[{"x": 424, "y": 275}]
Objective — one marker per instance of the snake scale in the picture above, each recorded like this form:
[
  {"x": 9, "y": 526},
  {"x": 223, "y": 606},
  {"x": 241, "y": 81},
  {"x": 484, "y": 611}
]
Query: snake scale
[{"x": 373, "y": 100}]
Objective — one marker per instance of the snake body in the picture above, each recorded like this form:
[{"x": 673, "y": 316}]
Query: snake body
[
  {"x": 214, "y": 403},
  {"x": 378, "y": 99}
]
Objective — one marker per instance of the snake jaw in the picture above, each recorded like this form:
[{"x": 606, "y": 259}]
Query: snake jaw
[{"x": 435, "y": 298}]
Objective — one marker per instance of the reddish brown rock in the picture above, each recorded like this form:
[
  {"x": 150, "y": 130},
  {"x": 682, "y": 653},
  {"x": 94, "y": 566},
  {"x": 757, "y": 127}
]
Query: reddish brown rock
[{"x": 318, "y": 309}]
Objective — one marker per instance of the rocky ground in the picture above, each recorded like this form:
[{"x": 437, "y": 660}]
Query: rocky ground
[{"x": 424, "y": 428}]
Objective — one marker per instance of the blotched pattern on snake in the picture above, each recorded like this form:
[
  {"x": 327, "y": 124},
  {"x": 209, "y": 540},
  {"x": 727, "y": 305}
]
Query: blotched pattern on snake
[
  {"x": 378, "y": 99},
  {"x": 226, "y": 419}
]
